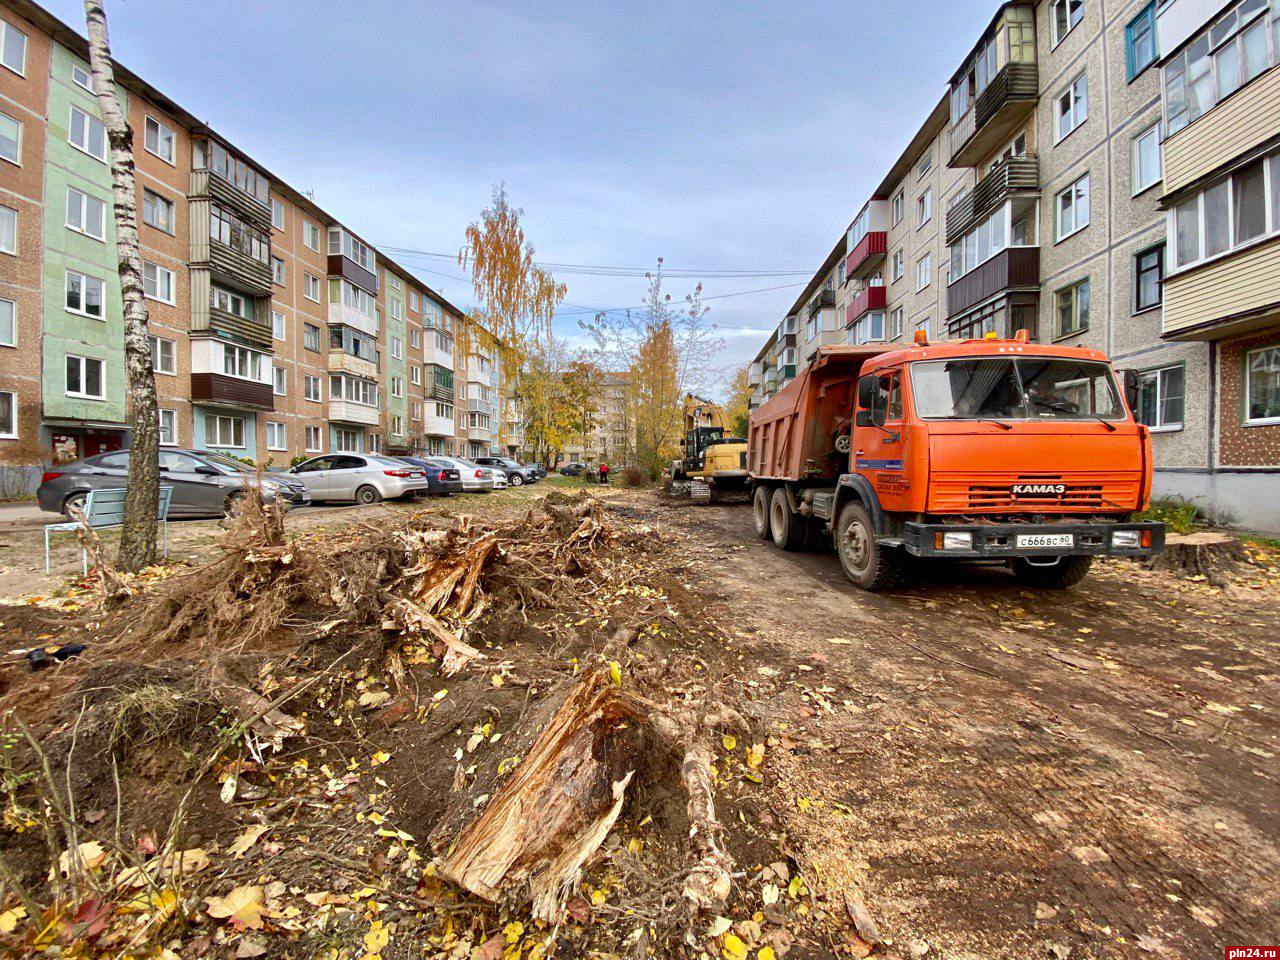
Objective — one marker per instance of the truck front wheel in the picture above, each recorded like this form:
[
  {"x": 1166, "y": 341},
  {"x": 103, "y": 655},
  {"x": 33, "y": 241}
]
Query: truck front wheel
[
  {"x": 760, "y": 507},
  {"x": 788, "y": 534},
  {"x": 1067, "y": 572},
  {"x": 867, "y": 563}
]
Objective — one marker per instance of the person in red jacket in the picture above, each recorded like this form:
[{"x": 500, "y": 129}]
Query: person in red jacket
[{"x": 604, "y": 473}]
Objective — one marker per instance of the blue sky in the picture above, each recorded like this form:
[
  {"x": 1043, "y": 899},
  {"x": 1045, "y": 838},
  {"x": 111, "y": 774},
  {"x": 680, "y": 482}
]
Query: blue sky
[{"x": 722, "y": 137}]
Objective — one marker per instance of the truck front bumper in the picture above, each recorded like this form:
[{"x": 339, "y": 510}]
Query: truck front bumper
[{"x": 1002, "y": 540}]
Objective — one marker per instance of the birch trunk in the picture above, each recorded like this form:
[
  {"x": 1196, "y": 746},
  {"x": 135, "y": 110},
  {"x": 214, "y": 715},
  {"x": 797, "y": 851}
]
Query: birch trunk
[{"x": 138, "y": 538}]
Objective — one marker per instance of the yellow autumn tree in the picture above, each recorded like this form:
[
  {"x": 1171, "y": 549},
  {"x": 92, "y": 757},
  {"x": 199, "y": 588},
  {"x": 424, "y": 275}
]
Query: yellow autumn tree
[{"x": 738, "y": 408}]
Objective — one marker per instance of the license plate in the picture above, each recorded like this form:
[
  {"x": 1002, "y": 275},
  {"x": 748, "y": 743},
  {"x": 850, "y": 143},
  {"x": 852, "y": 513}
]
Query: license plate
[{"x": 1034, "y": 540}]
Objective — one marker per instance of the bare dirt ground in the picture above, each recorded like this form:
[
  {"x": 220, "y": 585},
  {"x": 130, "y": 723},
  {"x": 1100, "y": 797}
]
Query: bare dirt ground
[{"x": 1016, "y": 773}]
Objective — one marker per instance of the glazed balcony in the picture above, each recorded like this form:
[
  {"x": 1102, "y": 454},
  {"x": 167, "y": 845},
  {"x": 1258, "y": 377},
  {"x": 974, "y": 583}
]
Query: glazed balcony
[
  {"x": 348, "y": 411},
  {"x": 867, "y": 256},
  {"x": 342, "y": 362},
  {"x": 1015, "y": 268},
  {"x": 221, "y": 390},
  {"x": 871, "y": 298},
  {"x": 1018, "y": 176},
  {"x": 824, "y": 299},
  {"x": 996, "y": 114}
]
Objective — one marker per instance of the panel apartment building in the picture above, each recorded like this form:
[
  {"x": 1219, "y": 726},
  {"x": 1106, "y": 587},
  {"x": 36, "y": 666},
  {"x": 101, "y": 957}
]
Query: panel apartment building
[
  {"x": 1102, "y": 173},
  {"x": 277, "y": 330}
]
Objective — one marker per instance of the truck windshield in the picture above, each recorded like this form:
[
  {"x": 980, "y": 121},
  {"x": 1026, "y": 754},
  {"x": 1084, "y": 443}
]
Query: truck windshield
[{"x": 1023, "y": 388}]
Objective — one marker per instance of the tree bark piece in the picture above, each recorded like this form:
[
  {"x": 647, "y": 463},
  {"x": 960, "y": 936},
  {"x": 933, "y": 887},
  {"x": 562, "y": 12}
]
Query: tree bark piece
[
  {"x": 141, "y": 506},
  {"x": 1214, "y": 556}
]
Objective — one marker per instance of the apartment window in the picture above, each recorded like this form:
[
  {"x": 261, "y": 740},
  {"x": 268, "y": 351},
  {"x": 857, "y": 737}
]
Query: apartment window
[
  {"x": 415, "y": 408},
  {"x": 346, "y": 440},
  {"x": 277, "y": 325},
  {"x": 343, "y": 243},
  {"x": 157, "y": 211},
  {"x": 899, "y": 207},
  {"x": 397, "y": 386},
  {"x": 1262, "y": 386},
  {"x": 312, "y": 388},
  {"x": 87, "y": 134},
  {"x": 899, "y": 265},
  {"x": 397, "y": 424},
  {"x": 277, "y": 214},
  {"x": 924, "y": 207},
  {"x": 8, "y": 323},
  {"x": 342, "y": 387},
  {"x": 1140, "y": 42},
  {"x": 869, "y": 328},
  {"x": 1160, "y": 398},
  {"x": 1072, "y": 309},
  {"x": 84, "y": 378},
  {"x": 231, "y": 231},
  {"x": 1072, "y": 208},
  {"x": 8, "y": 230},
  {"x": 1148, "y": 278},
  {"x": 349, "y": 295},
  {"x": 1073, "y": 107},
  {"x": 163, "y": 355},
  {"x": 1064, "y": 15},
  {"x": 414, "y": 302},
  {"x": 443, "y": 344},
  {"x": 277, "y": 270},
  {"x": 393, "y": 281},
  {"x": 397, "y": 347},
  {"x": 925, "y": 165},
  {"x": 310, "y": 337},
  {"x": 415, "y": 374},
  {"x": 241, "y": 362},
  {"x": 8, "y": 415},
  {"x": 221, "y": 431},
  {"x": 86, "y": 214},
  {"x": 157, "y": 282},
  {"x": 84, "y": 295},
  {"x": 311, "y": 236},
  {"x": 397, "y": 307},
  {"x": 374, "y": 442},
  {"x": 276, "y": 436},
  {"x": 80, "y": 77},
  {"x": 1230, "y": 52},
  {"x": 231, "y": 302},
  {"x": 811, "y": 327},
  {"x": 159, "y": 140},
  {"x": 13, "y": 48},
  {"x": 444, "y": 410},
  {"x": 895, "y": 323},
  {"x": 279, "y": 381},
  {"x": 924, "y": 271},
  {"x": 415, "y": 338},
  {"x": 168, "y": 428},
  {"x": 1146, "y": 159},
  {"x": 311, "y": 287},
  {"x": 10, "y": 139},
  {"x": 1230, "y": 213},
  {"x": 314, "y": 439}
]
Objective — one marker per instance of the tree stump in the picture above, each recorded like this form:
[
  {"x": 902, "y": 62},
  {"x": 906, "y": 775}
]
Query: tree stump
[{"x": 1211, "y": 555}]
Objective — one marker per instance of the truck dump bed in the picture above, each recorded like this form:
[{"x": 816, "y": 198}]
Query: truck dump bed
[{"x": 793, "y": 436}]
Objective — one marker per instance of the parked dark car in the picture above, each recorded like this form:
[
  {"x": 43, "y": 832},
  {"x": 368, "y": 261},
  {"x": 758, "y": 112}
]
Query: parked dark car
[
  {"x": 539, "y": 469},
  {"x": 575, "y": 468},
  {"x": 517, "y": 475},
  {"x": 205, "y": 483},
  {"x": 442, "y": 479}
]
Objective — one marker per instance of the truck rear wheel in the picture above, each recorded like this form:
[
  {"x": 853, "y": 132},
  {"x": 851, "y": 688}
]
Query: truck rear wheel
[
  {"x": 783, "y": 523},
  {"x": 760, "y": 508},
  {"x": 867, "y": 563},
  {"x": 1067, "y": 572}
]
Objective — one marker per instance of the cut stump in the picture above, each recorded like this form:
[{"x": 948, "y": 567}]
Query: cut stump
[{"x": 1214, "y": 556}]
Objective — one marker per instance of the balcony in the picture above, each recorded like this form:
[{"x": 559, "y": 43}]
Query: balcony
[
  {"x": 1006, "y": 102},
  {"x": 824, "y": 299},
  {"x": 348, "y": 411},
  {"x": 220, "y": 390},
  {"x": 342, "y": 362},
  {"x": 341, "y": 314},
  {"x": 480, "y": 406},
  {"x": 1227, "y": 297},
  {"x": 438, "y": 426},
  {"x": 208, "y": 185},
  {"x": 788, "y": 372},
  {"x": 867, "y": 256},
  {"x": 872, "y": 297},
  {"x": 1016, "y": 176},
  {"x": 1016, "y": 268}
]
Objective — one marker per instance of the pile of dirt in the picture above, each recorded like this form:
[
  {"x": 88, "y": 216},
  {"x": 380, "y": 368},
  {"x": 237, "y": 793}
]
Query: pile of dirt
[{"x": 435, "y": 737}]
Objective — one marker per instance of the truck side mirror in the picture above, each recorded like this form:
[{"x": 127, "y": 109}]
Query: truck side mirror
[
  {"x": 1132, "y": 389},
  {"x": 863, "y": 418},
  {"x": 866, "y": 394}
]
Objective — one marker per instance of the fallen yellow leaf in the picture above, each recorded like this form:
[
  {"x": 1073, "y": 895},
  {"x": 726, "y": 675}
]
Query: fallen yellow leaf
[
  {"x": 243, "y": 906},
  {"x": 734, "y": 948}
]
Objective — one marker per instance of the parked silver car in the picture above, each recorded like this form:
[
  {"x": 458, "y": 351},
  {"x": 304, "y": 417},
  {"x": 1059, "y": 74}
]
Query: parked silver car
[
  {"x": 205, "y": 483},
  {"x": 475, "y": 478},
  {"x": 360, "y": 477}
]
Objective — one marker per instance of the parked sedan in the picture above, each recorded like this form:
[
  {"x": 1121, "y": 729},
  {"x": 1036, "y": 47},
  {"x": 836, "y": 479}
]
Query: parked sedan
[
  {"x": 475, "y": 478},
  {"x": 442, "y": 479},
  {"x": 205, "y": 483},
  {"x": 360, "y": 477},
  {"x": 574, "y": 469},
  {"x": 517, "y": 475}
]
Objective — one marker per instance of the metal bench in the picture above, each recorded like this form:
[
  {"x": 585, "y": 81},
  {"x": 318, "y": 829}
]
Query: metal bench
[{"x": 105, "y": 508}]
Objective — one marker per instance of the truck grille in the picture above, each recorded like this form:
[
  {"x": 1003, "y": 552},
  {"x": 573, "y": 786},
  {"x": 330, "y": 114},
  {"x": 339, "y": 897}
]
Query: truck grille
[{"x": 1068, "y": 492}]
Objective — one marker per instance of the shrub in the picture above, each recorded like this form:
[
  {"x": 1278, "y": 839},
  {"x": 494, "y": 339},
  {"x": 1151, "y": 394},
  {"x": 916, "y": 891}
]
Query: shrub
[
  {"x": 632, "y": 475},
  {"x": 1180, "y": 516}
]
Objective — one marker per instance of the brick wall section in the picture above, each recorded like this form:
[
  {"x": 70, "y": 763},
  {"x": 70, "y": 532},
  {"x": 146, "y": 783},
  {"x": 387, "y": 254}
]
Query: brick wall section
[{"x": 1240, "y": 445}]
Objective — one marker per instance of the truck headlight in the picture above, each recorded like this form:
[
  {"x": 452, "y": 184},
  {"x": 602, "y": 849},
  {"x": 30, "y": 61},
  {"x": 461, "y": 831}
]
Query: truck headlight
[
  {"x": 1125, "y": 539},
  {"x": 957, "y": 541}
]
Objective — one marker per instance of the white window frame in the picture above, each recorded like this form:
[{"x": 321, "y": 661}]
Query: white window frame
[
  {"x": 308, "y": 329},
  {"x": 1079, "y": 108},
  {"x": 924, "y": 166},
  {"x": 84, "y": 287},
  {"x": 414, "y": 303},
  {"x": 1271, "y": 222},
  {"x": 1260, "y": 421},
  {"x": 158, "y": 272},
  {"x": 899, "y": 266},
  {"x": 924, "y": 207},
  {"x": 1074, "y": 289},
  {"x": 13, "y": 317},
  {"x": 5, "y": 28},
  {"x": 397, "y": 348},
  {"x": 84, "y": 362},
  {"x": 90, "y": 120},
  {"x": 167, "y": 205},
  {"x": 924, "y": 268},
  {"x": 397, "y": 424},
  {"x": 16, "y": 161},
  {"x": 397, "y": 387},
  {"x": 9, "y": 398},
  {"x": 415, "y": 374},
  {"x": 277, "y": 206},
  {"x": 1053, "y": 20},
  {"x": 13, "y": 249},
  {"x": 83, "y": 210},
  {"x": 172, "y": 417},
  {"x": 898, "y": 207},
  {"x": 1153, "y": 131},
  {"x": 318, "y": 433},
  {"x": 157, "y": 355},
  {"x": 78, "y": 71},
  {"x": 160, "y": 128},
  {"x": 310, "y": 229},
  {"x": 308, "y": 281},
  {"x": 897, "y": 322},
  {"x": 310, "y": 380},
  {"x": 1072, "y": 189},
  {"x": 281, "y": 277},
  {"x": 1156, "y": 374},
  {"x": 281, "y": 441},
  {"x": 279, "y": 381},
  {"x": 279, "y": 325},
  {"x": 213, "y": 437}
]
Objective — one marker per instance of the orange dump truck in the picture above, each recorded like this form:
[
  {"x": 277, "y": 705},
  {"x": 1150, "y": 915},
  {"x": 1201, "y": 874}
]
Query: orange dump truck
[{"x": 997, "y": 450}]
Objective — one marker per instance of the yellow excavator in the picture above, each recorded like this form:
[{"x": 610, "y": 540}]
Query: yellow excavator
[{"x": 713, "y": 463}]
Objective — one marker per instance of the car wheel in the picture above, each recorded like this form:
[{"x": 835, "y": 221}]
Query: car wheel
[
  {"x": 367, "y": 495},
  {"x": 760, "y": 505},
  {"x": 75, "y": 501},
  {"x": 234, "y": 503},
  {"x": 784, "y": 525},
  {"x": 866, "y": 562},
  {"x": 515, "y": 480}
]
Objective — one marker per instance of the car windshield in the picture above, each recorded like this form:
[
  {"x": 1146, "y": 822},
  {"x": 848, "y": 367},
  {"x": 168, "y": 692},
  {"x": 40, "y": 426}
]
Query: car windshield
[
  {"x": 1025, "y": 388},
  {"x": 229, "y": 463}
]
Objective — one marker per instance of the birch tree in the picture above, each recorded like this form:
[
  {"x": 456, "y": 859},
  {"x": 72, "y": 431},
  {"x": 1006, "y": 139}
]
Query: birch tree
[{"x": 138, "y": 538}]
